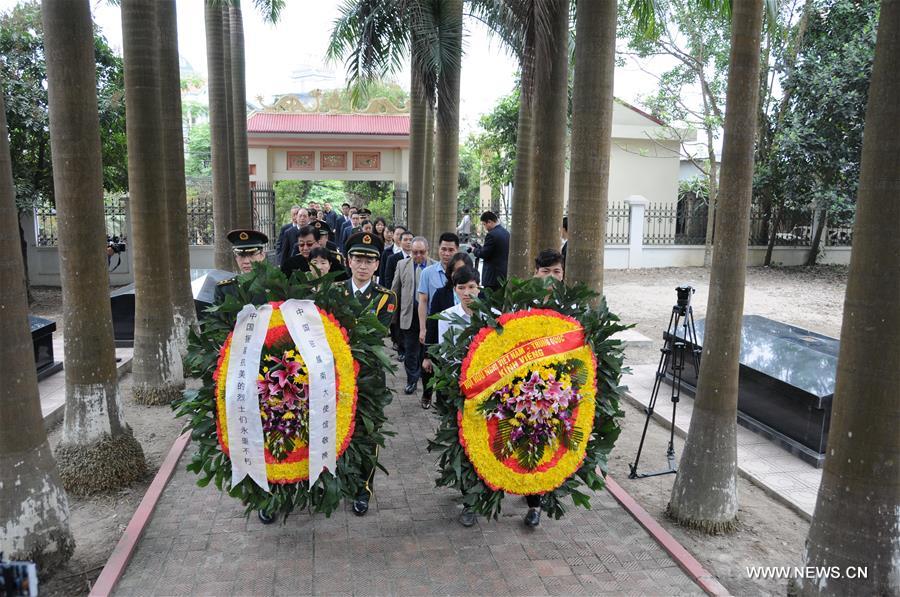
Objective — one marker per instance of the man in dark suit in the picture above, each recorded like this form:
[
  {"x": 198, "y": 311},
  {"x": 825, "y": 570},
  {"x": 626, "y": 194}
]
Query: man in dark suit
[
  {"x": 564, "y": 234},
  {"x": 280, "y": 241},
  {"x": 289, "y": 243},
  {"x": 394, "y": 260},
  {"x": 495, "y": 252}
]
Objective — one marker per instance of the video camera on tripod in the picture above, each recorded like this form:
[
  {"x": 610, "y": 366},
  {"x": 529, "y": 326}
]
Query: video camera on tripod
[
  {"x": 671, "y": 359},
  {"x": 18, "y": 579}
]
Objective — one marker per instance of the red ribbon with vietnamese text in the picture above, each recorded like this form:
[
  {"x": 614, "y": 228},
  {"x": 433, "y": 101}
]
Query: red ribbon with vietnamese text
[{"x": 517, "y": 357}]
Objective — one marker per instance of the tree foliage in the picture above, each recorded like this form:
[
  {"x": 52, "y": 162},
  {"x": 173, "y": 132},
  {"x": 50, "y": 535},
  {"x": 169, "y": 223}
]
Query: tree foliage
[
  {"x": 815, "y": 154},
  {"x": 24, "y": 73}
]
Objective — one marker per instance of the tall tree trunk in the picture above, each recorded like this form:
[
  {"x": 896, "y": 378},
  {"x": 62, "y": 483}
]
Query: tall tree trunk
[
  {"x": 229, "y": 119},
  {"x": 428, "y": 227},
  {"x": 713, "y": 187},
  {"x": 156, "y": 368},
  {"x": 239, "y": 114},
  {"x": 522, "y": 219},
  {"x": 173, "y": 174},
  {"x": 551, "y": 110},
  {"x": 855, "y": 521},
  {"x": 705, "y": 492},
  {"x": 417, "y": 114},
  {"x": 819, "y": 219},
  {"x": 98, "y": 451},
  {"x": 773, "y": 235},
  {"x": 592, "y": 106},
  {"x": 218, "y": 136},
  {"x": 34, "y": 509},
  {"x": 446, "y": 154}
]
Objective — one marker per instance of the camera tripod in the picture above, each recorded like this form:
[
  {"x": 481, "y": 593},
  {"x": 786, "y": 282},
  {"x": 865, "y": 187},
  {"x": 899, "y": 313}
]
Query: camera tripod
[{"x": 672, "y": 352}]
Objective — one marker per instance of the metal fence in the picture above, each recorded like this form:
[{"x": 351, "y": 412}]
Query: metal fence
[
  {"x": 200, "y": 211},
  {"x": 263, "y": 202},
  {"x": 682, "y": 223},
  {"x": 618, "y": 220},
  {"x": 46, "y": 223}
]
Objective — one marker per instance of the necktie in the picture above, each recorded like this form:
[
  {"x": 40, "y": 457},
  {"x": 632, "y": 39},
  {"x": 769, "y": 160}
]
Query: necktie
[{"x": 359, "y": 295}]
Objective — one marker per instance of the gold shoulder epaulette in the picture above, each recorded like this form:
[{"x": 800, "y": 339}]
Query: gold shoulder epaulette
[{"x": 224, "y": 282}]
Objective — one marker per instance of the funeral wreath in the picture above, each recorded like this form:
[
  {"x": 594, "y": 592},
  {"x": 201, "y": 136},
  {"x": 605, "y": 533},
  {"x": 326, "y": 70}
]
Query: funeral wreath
[{"x": 529, "y": 396}]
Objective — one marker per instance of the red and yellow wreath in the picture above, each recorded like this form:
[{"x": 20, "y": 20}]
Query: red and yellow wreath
[
  {"x": 283, "y": 391},
  {"x": 530, "y": 396}
]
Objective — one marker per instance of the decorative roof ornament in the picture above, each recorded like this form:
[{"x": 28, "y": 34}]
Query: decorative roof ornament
[{"x": 330, "y": 102}]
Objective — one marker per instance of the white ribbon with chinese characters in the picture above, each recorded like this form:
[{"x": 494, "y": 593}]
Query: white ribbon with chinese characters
[
  {"x": 304, "y": 324},
  {"x": 246, "y": 444}
]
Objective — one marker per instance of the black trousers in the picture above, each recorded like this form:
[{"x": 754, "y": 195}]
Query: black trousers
[
  {"x": 415, "y": 354},
  {"x": 533, "y": 501}
]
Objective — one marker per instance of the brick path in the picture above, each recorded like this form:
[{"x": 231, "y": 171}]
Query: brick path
[{"x": 198, "y": 542}]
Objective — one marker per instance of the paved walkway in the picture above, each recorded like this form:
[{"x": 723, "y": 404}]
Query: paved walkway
[{"x": 199, "y": 542}]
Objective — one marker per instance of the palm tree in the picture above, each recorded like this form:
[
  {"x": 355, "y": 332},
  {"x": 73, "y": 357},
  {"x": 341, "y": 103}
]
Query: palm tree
[
  {"x": 592, "y": 106},
  {"x": 855, "y": 520},
  {"x": 218, "y": 134},
  {"x": 229, "y": 116},
  {"x": 550, "y": 117},
  {"x": 376, "y": 36},
  {"x": 34, "y": 509},
  {"x": 417, "y": 114},
  {"x": 98, "y": 450},
  {"x": 428, "y": 227},
  {"x": 704, "y": 495},
  {"x": 156, "y": 368},
  {"x": 239, "y": 116},
  {"x": 446, "y": 148},
  {"x": 173, "y": 173},
  {"x": 523, "y": 195}
]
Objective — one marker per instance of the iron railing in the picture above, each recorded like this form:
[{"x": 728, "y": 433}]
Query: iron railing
[
  {"x": 46, "y": 223},
  {"x": 263, "y": 201},
  {"x": 618, "y": 221}
]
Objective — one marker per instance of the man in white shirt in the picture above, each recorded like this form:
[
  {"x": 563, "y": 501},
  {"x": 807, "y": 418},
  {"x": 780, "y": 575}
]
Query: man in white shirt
[{"x": 464, "y": 230}]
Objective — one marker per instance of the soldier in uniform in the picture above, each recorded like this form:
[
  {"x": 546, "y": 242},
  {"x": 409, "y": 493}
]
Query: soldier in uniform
[
  {"x": 336, "y": 259},
  {"x": 364, "y": 251},
  {"x": 249, "y": 247}
]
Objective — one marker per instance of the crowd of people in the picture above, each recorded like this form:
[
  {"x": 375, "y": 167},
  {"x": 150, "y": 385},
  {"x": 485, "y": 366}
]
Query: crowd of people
[{"x": 396, "y": 274}]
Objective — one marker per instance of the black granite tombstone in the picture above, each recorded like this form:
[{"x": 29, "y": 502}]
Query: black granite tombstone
[
  {"x": 786, "y": 384},
  {"x": 203, "y": 286},
  {"x": 42, "y": 339}
]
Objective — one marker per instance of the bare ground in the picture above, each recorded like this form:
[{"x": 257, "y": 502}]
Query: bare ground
[{"x": 768, "y": 534}]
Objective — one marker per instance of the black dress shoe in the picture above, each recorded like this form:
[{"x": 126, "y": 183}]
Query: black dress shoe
[
  {"x": 264, "y": 518},
  {"x": 533, "y": 518},
  {"x": 361, "y": 505},
  {"x": 467, "y": 517},
  {"x": 410, "y": 389},
  {"x": 426, "y": 402}
]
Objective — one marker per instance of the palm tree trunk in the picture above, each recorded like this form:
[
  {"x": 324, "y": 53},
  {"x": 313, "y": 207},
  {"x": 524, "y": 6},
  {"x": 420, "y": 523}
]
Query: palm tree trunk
[
  {"x": 98, "y": 451},
  {"x": 705, "y": 492},
  {"x": 173, "y": 164},
  {"x": 34, "y": 509},
  {"x": 218, "y": 135},
  {"x": 592, "y": 105},
  {"x": 156, "y": 368},
  {"x": 239, "y": 114},
  {"x": 446, "y": 175},
  {"x": 551, "y": 110},
  {"x": 229, "y": 119},
  {"x": 855, "y": 520},
  {"x": 428, "y": 227},
  {"x": 417, "y": 113},
  {"x": 522, "y": 219}
]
